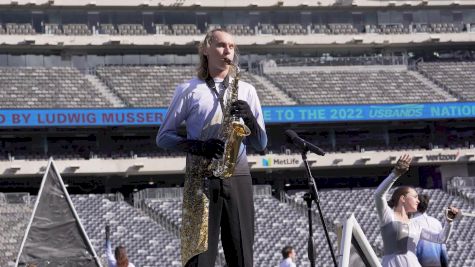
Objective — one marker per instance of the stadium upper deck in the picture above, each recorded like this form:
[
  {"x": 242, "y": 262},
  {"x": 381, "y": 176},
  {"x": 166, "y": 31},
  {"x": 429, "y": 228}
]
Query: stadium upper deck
[
  {"x": 107, "y": 25},
  {"x": 238, "y": 3}
]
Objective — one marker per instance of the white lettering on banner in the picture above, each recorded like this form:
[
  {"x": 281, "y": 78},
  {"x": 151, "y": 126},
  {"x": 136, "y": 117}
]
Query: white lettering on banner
[
  {"x": 289, "y": 115},
  {"x": 346, "y": 114},
  {"x": 267, "y": 114},
  {"x": 312, "y": 114},
  {"x": 466, "y": 111},
  {"x": 279, "y": 114},
  {"x": 402, "y": 111}
]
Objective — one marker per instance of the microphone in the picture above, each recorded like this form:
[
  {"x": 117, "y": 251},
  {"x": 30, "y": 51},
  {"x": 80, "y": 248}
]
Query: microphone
[{"x": 302, "y": 144}]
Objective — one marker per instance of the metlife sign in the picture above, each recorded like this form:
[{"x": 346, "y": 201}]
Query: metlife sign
[
  {"x": 280, "y": 161},
  {"x": 272, "y": 115}
]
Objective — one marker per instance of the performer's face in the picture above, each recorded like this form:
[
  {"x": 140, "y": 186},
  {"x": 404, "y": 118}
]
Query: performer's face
[
  {"x": 293, "y": 255},
  {"x": 411, "y": 200},
  {"x": 221, "y": 47}
]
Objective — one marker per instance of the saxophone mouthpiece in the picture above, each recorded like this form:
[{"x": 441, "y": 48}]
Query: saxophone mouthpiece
[{"x": 232, "y": 65}]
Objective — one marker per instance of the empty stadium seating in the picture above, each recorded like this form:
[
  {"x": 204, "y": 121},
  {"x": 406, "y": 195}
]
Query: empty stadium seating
[
  {"x": 456, "y": 77},
  {"x": 185, "y": 29},
  {"x": 153, "y": 86},
  {"x": 267, "y": 96},
  {"x": 387, "y": 29},
  {"x": 338, "y": 204},
  {"x": 327, "y": 60},
  {"x": 13, "y": 221},
  {"x": 167, "y": 211},
  {"x": 291, "y": 29},
  {"x": 146, "y": 241},
  {"x": 19, "y": 28},
  {"x": 53, "y": 28},
  {"x": 464, "y": 187},
  {"x": 240, "y": 29},
  {"x": 162, "y": 29},
  {"x": 211, "y": 27},
  {"x": 437, "y": 27},
  {"x": 142, "y": 86},
  {"x": 38, "y": 87},
  {"x": 338, "y": 28},
  {"x": 76, "y": 29},
  {"x": 131, "y": 29},
  {"x": 268, "y": 29},
  {"x": 108, "y": 29},
  {"x": 277, "y": 224},
  {"x": 355, "y": 86}
]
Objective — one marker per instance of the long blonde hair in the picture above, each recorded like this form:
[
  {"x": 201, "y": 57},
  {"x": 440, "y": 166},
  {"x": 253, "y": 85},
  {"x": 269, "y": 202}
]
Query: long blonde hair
[{"x": 203, "y": 70}]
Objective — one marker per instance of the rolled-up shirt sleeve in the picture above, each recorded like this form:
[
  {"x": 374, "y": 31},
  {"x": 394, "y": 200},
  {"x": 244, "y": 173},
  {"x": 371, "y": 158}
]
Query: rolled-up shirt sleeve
[{"x": 167, "y": 136}]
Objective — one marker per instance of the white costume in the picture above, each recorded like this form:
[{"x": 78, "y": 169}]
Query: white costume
[{"x": 399, "y": 238}]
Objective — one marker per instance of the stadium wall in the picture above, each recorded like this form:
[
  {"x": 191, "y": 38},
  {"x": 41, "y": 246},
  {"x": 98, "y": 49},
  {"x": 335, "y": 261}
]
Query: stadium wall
[{"x": 454, "y": 161}]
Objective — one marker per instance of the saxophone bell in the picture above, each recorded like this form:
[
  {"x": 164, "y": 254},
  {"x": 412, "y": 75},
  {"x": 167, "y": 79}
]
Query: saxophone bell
[{"x": 224, "y": 168}]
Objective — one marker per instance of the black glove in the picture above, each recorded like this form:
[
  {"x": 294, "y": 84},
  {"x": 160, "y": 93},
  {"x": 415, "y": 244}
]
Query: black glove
[
  {"x": 211, "y": 148},
  {"x": 108, "y": 232},
  {"x": 241, "y": 109}
]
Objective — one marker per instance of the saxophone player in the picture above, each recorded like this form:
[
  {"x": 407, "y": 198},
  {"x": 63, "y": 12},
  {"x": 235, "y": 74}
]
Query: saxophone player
[{"x": 213, "y": 205}]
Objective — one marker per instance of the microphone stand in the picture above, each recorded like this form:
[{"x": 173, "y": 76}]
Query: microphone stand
[{"x": 308, "y": 197}]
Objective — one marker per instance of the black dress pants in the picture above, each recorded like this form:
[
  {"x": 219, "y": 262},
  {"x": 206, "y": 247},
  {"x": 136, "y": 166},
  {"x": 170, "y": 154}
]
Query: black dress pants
[{"x": 231, "y": 209}]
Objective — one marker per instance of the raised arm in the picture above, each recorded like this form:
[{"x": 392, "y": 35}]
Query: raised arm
[
  {"x": 111, "y": 261},
  {"x": 401, "y": 167},
  {"x": 442, "y": 236}
]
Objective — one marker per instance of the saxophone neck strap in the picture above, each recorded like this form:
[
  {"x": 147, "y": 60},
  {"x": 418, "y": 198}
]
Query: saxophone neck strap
[{"x": 219, "y": 94}]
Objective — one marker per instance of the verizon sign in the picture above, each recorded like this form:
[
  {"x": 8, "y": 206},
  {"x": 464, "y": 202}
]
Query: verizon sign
[{"x": 442, "y": 157}]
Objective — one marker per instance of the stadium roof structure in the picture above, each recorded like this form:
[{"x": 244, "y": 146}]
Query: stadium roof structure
[{"x": 237, "y": 3}]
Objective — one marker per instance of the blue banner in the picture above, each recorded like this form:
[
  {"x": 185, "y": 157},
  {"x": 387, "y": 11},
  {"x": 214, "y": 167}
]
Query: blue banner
[
  {"x": 272, "y": 115},
  {"x": 81, "y": 117},
  {"x": 335, "y": 113}
]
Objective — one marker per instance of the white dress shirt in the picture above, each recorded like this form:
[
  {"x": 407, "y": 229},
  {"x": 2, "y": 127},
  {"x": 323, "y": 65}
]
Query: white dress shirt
[{"x": 287, "y": 263}]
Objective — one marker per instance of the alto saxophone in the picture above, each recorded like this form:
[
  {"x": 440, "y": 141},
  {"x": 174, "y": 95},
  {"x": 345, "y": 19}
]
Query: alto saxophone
[{"x": 232, "y": 132}]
